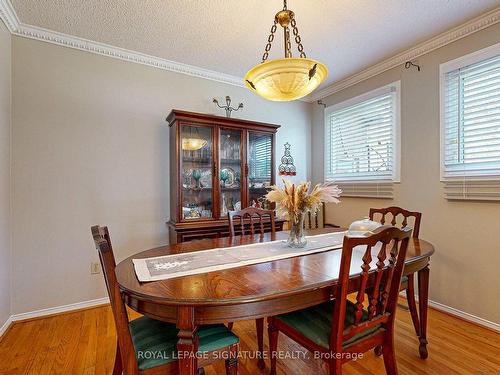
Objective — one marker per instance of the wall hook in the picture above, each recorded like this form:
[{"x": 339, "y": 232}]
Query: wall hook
[{"x": 409, "y": 64}]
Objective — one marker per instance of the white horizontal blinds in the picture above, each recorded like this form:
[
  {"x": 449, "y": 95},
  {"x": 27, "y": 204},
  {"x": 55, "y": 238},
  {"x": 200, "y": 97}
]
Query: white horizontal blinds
[
  {"x": 360, "y": 140},
  {"x": 261, "y": 149},
  {"x": 478, "y": 190},
  {"x": 367, "y": 190},
  {"x": 472, "y": 120}
]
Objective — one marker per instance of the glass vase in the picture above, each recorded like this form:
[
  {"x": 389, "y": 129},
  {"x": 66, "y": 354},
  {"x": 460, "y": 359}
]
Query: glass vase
[{"x": 297, "y": 237}]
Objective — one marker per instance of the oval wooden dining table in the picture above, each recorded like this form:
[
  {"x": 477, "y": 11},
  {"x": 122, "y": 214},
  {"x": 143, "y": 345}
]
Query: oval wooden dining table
[{"x": 249, "y": 292}]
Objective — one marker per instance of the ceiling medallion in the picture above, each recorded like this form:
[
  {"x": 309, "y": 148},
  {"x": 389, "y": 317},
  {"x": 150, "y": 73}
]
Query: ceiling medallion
[{"x": 289, "y": 78}]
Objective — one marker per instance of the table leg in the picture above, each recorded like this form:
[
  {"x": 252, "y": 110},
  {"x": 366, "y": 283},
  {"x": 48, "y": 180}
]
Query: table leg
[
  {"x": 259, "y": 324},
  {"x": 187, "y": 346},
  {"x": 423, "y": 302}
]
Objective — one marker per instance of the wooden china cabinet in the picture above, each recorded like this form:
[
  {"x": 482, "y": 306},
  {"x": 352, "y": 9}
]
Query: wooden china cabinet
[{"x": 217, "y": 164}]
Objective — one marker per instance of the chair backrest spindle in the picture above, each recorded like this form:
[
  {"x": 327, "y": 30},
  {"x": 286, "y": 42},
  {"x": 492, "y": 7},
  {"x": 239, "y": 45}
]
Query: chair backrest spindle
[{"x": 252, "y": 230}]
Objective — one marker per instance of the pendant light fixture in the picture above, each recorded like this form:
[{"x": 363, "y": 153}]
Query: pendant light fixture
[
  {"x": 194, "y": 142},
  {"x": 289, "y": 78}
]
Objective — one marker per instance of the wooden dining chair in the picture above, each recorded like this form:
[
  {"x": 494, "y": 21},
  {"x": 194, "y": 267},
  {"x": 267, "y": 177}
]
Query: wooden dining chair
[
  {"x": 147, "y": 346},
  {"x": 312, "y": 220},
  {"x": 251, "y": 216},
  {"x": 395, "y": 214},
  {"x": 340, "y": 329}
]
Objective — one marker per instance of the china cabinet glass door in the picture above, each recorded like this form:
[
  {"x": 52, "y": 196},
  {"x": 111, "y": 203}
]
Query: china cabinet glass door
[
  {"x": 260, "y": 158},
  {"x": 197, "y": 166},
  {"x": 230, "y": 170}
]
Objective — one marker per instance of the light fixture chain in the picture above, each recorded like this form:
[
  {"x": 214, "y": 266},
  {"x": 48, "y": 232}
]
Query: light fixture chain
[
  {"x": 298, "y": 39},
  {"x": 269, "y": 41},
  {"x": 288, "y": 51}
]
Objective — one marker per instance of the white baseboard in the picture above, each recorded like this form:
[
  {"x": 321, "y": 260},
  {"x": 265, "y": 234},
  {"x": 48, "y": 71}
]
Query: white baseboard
[
  {"x": 60, "y": 309},
  {"x": 102, "y": 301},
  {"x": 465, "y": 316},
  {"x": 5, "y": 326},
  {"x": 459, "y": 313},
  {"x": 51, "y": 311}
]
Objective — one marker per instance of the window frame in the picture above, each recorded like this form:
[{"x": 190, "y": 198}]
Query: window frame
[
  {"x": 396, "y": 173},
  {"x": 444, "y": 68}
]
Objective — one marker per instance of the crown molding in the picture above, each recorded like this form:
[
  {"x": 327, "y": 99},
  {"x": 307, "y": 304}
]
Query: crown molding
[
  {"x": 8, "y": 16},
  {"x": 483, "y": 21},
  {"x": 45, "y": 35}
]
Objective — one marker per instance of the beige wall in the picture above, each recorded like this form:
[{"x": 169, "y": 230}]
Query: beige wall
[
  {"x": 464, "y": 270},
  {"x": 5, "y": 74},
  {"x": 90, "y": 146}
]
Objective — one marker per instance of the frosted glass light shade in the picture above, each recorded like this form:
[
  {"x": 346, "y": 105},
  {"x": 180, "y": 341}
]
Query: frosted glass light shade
[
  {"x": 193, "y": 144},
  {"x": 285, "y": 79}
]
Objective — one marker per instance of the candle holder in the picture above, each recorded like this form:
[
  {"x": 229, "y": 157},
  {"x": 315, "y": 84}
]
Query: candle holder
[{"x": 228, "y": 107}]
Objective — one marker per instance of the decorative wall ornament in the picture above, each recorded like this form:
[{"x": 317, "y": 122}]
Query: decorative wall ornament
[
  {"x": 287, "y": 168},
  {"x": 228, "y": 107}
]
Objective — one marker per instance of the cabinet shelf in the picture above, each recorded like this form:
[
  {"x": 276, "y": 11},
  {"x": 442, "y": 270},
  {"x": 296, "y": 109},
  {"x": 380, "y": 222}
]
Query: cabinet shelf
[
  {"x": 195, "y": 190},
  {"x": 198, "y": 162},
  {"x": 230, "y": 161},
  {"x": 259, "y": 188}
]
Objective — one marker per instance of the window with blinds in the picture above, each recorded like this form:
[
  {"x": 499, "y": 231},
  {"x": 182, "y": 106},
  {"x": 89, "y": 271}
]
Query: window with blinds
[
  {"x": 362, "y": 143},
  {"x": 260, "y": 156},
  {"x": 470, "y": 126}
]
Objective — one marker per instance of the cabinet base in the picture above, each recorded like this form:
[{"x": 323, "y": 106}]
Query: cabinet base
[{"x": 184, "y": 232}]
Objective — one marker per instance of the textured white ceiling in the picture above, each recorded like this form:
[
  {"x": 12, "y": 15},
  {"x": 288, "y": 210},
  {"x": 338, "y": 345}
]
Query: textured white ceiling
[{"x": 229, "y": 36}]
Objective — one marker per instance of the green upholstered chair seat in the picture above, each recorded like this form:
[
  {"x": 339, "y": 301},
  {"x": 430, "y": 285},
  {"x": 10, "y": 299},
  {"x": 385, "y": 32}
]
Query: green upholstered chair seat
[
  {"x": 315, "y": 323},
  {"x": 155, "y": 342}
]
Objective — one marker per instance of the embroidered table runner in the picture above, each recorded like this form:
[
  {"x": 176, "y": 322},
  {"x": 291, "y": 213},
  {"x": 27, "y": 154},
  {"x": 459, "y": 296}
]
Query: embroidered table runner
[{"x": 196, "y": 262}]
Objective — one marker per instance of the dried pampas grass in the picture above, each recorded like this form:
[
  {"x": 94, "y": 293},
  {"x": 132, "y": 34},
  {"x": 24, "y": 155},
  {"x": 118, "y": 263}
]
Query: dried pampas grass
[{"x": 293, "y": 200}]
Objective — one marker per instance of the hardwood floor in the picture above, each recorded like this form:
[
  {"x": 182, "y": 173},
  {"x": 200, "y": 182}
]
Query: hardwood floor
[{"x": 83, "y": 342}]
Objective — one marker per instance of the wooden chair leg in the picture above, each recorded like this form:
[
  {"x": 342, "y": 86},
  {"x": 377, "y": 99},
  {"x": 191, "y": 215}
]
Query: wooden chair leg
[
  {"x": 273, "y": 344},
  {"x": 412, "y": 305},
  {"x": 230, "y": 325},
  {"x": 335, "y": 367},
  {"x": 118, "y": 368},
  {"x": 259, "y": 325},
  {"x": 232, "y": 366},
  {"x": 389, "y": 355}
]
